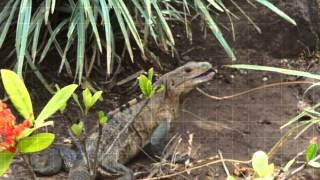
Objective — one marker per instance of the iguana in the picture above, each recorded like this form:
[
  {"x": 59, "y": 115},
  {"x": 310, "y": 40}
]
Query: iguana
[{"x": 148, "y": 119}]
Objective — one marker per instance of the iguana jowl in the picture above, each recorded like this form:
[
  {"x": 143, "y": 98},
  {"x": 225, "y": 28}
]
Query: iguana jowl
[{"x": 152, "y": 118}]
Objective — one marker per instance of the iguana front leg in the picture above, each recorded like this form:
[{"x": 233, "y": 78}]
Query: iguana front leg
[{"x": 158, "y": 137}]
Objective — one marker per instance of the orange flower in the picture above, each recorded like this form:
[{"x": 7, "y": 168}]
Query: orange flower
[{"x": 8, "y": 128}]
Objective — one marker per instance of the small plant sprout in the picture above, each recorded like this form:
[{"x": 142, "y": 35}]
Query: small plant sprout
[
  {"x": 311, "y": 155},
  {"x": 145, "y": 83},
  {"x": 89, "y": 100},
  {"x": 19, "y": 138},
  {"x": 103, "y": 119},
  {"x": 77, "y": 129},
  {"x": 261, "y": 165}
]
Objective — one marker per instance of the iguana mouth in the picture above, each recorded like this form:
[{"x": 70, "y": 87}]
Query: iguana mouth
[{"x": 206, "y": 75}]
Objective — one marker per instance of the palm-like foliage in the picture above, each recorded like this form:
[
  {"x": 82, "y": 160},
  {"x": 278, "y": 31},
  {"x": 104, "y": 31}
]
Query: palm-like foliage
[{"x": 91, "y": 24}]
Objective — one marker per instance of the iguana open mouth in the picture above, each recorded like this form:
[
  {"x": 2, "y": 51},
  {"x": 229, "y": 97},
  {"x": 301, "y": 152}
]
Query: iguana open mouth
[{"x": 206, "y": 74}]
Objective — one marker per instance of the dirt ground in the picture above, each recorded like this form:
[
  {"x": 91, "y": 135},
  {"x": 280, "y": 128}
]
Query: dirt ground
[{"x": 238, "y": 126}]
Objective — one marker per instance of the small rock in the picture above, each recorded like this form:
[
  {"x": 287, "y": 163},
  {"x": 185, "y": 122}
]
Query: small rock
[{"x": 187, "y": 58}]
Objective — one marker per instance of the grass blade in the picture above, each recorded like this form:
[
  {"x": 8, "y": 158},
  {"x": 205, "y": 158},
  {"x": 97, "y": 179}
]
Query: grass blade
[
  {"x": 274, "y": 69},
  {"x": 276, "y": 10},
  {"x": 108, "y": 32},
  {"x": 51, "y": 39},
  {"x": 5, "y": 11},
  {"x": 88, "y": 10},
  {"x": 214, "y": 28},
  {"x": 47, "y": 12},
  {"x": 22, "y": 32},
  {"x": 8, "y": 23},
  {"x": 80, "y": 45}
]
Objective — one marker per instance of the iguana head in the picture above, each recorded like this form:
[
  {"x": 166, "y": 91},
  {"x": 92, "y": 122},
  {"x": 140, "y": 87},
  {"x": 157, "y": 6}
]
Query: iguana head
[{"x": 186, "y": 77}]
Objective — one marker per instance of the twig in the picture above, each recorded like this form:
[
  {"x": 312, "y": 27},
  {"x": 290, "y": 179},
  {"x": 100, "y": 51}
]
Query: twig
[
  {"x": 252, "y": 90},
  {"x": 224, "y": 164},
  {"x": 97, "y": 152},
  {"x": 296, "y": 171},
  {"x": 284, "y": 139},
  {"x": 197, "y": 167},
  {"x": 26, "y": 159}
]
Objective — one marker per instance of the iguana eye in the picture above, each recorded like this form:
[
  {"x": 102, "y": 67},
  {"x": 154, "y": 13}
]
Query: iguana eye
[{"x": 187, "y": 70}]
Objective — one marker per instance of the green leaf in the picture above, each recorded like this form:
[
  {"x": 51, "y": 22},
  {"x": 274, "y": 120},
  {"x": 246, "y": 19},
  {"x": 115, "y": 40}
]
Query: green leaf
[
  {"x": 108, "y": 32},
  {"x": 51, "y": 39},
  {"x": 87, "y": 97},
  {"x": 203, "y": 10},
  {"x": 311, "y": 152},
  {"x": 6, "y": 159},
  {"x": 80, "y": 45},
  {"x": 77, "y": 129},
  {"x": 231, "y": 178},
  {"x": 314, "y": 164},
  {"x": 103, "y": 119},
  {"x": 274, "y": 69},
  {"x": 35, "y": 143},
  {"x": 143, "y": 84},
  {"x": 22, "y": 32},
  {"x": 277, "y": 11},
  {"x": 18, "y": 93},
  {"x": 288, "y": 165},
  {"x": 76, "y": 99},
  {"x": 150, "y": 74},
  {"x": 55, "y": 103},
  {"x": 260, "y": 164},
  {"x": 8, "y": 23},
  {"x": 95, "y": 97},
  {"x": 88, "y": 10}
]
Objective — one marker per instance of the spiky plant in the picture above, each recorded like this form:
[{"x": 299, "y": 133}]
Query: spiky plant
[{"x": 91, "y": 24}]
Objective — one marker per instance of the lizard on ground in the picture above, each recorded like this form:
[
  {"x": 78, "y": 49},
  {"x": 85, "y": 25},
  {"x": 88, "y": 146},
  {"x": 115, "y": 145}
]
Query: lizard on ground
[{"x": 149, "y": 121}]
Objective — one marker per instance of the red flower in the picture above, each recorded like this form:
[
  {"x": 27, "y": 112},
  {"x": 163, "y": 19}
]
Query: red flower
[{"x": 8, "y": 128}]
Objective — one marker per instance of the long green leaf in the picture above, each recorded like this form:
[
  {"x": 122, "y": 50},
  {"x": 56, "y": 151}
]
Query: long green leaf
[
  {"x": 164, "y": 23},
  {"x": 214, "y": 28},
  {"x": 55, "y": 103},
  {"x": 123, "y": 29},
  {"x": 5, "y": 11},
  {"x": 277, "y": 11},
  {"x": 38, "y": 74},
  {"x": 18, "y": 93},
  {"x": 52, "y": 38},
  {"x": 130, "y": 23},
  {"x": 80, "y": 46},
  {"x": 8, "y": 23},
  {"x": 108, "y": 32},
  {"x": 88, "y": 10},
  {"x": 22, "y": 32},
  {"x": 38, "y": 21},
  {"x": 274, "y": 69},
  {"x": 47, "y": 12}
]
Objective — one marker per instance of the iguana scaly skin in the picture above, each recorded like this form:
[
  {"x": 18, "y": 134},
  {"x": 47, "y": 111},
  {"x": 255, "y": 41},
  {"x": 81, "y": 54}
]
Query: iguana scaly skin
[{"x": 139, "y": 123}]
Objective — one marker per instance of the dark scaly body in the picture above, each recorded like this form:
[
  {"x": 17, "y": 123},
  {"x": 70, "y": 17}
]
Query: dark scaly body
[{"x": 149, "y": 121}]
